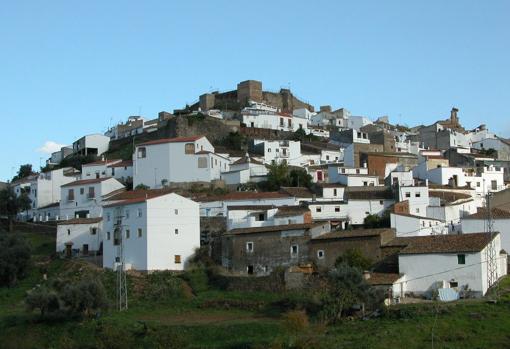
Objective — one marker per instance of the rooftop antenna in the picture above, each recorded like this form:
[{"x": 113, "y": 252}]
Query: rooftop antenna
[{"x": 122, "y": 300}]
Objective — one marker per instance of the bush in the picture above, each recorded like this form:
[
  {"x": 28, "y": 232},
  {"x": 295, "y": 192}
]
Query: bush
[
  {"x": 14, "y": 259},
  {"x": 197, "y": 279},
  {"x": 354, "y": 258},
  {"x": 84, "y": 298},
  {"x": 43, "y": 299},
  {"x": 164, "y": 286}
]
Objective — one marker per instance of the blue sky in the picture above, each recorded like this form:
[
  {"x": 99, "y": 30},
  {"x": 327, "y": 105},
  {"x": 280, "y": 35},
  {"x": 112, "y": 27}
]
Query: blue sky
[{"x": 70, "y": 68}]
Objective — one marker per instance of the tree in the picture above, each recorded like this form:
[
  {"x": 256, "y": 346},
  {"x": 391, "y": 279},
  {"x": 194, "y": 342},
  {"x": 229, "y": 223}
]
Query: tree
[
  {"x": 277, "y": 175},
  {"x": 43, "y": 299},
  {"x": 23, "y": 172},
  {"x": 12, "y": 204},
  {"x": 14, "y": 259},
  {"x": 234, "y": 141},
  {"x": 346, "y": 287},
  {"x": 374, "y": 221},
  {"x": 84, "y": 297},
  {"x": 299, "y": 178},
  {"x": 142, "y": 186},
  {"x": 354, "y": 258}
]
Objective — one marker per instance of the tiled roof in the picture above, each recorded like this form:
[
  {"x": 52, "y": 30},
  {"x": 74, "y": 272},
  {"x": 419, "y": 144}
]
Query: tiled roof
[
  {"x": 135, "y": 196},
  {"x": 247, "y": 195},
  {"x": 415, "y": 216},
  {"x": 245, "y": 159},
  {"x": 299, "y": 192},
  {"x": 369, "y": 193},
  {"x": 86, "y": 181},
  {"x": 344, "y": 234},
  {"x": 287, "y": 211},
  {"x": 474, "y": 242},
  {"x": 448, "y": 197},
  {"x": 273, "y": 228},
  {"x": 382, "y": 278},
  {"x": 81, "y": 221},
  {"x": 332, "y": 185},
  {"x": 55, "y": 204},
  {"x": 172, "y": 140},
  {"x": 250, "y": 207},
  {"x": 102, "y": 162},
  {"x": 496, "y": 213},
  {"x": 125, "y": 163}
]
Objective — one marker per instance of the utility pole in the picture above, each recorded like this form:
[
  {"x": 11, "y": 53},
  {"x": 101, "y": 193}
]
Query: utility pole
[
  {"x": 118, "y": 238},
  {"x": 492, "y": 272}
]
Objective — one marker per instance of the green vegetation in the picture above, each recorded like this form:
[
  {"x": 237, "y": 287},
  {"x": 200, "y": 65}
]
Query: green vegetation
[
  {"x": 11, "y": 204},
  {"x": 23, "y": 172},
  {"x": 280, "y": 175},
  {"x": 188, "y": 311},
  {"x": 375, "y": 221},
  {"x": 491, "y": 152},
  {"x": 234, "y": 141},
  {"x": 354, "y": 258},
  {"x": 300, "y": 135}
]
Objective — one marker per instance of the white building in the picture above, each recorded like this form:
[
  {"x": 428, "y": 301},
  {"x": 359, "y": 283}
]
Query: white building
[
  {"x": 417, "y": 198},
  {"x": 177, "y": 160},
  {"x": 336, "y": 172},
  {"x": 45, "y": 188},
  {"x": 245, "y": 170},
  {"x": 478, "y": 222},
  {"x": 122, "y": 171},
  {"x": 95, "y": 144},
  {"x": 262, "y": 116},
  {"x": 449, "y": 261},
  {"x": 97, "y": 169},
  {"x": 279, "y": 151},
  {"x": 84, "y": 198},
  {"x": 157, "y": 231},
  {"x": 83, "y": 234},
  {"x": 263, "y": 216},
  {"x": 406, "y": 224},
  {"x": 357, "y": 122},
  {"x": 502, "y": 146}
]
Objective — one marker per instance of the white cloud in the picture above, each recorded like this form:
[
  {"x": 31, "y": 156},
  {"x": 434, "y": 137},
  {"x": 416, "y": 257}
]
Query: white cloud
[{"x": 50, "y": 147}]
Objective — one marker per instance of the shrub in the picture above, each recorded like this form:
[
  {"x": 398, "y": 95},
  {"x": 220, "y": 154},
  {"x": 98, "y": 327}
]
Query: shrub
[
  {"x": 354, "y": 258},
  {"x": 84, "y": 298},
  {"x": 164, "y": 286},
  {"x": 197, "y": 278},
  {"x": 14, "y": 259},
  {"x": 296, "y": 321},
  {"x": 43, "y": 299}
]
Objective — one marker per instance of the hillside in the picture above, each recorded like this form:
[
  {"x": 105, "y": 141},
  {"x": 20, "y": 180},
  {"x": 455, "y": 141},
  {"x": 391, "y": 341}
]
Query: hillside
[{"x": 203, "y": 314}]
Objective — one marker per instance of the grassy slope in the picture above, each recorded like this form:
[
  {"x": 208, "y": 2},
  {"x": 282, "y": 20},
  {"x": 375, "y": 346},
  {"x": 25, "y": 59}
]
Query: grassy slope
[{"x": 467, "y": 324}]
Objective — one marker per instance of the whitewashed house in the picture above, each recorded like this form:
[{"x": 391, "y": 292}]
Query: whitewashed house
[
  {"x": 97, "y": 169},
  {"x": 122, "y": 171},
  {"x": 450, "y": 207},
  {"x": 477, "y": 222},
  {"x": 157, "y": 231},
  {"x": 417, "y": 197},
  {"x": 363, "y": 201},
  {"x": 268, "y": 215},
  {"x": 84, "y": 235},
  {"x": 279, "y": 151},
  {"x": 259, "y": 115},
  {"x": 159, "y": 163},
  {"x": 84, "y": 198},
  {"x": 433, "y": 262},
  {"x": 337, "y": 170},
  {"x": 95, "y": 144},
  {"x": 502, "y": 146},
  {"x": 357, "y": 122},
  {"x": 218, "y": 206},
  {"x": 45, "y": 190},
  {"x": 406, "y": 224},
  {"x": 245, "y": 170}
]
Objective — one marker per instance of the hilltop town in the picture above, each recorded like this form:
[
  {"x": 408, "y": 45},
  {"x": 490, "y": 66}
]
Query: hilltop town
[{"x": 266, "y": 182}]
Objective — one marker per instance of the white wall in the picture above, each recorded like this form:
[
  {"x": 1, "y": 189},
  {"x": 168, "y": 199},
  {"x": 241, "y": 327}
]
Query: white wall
[
  {"x": 79, "y": 234},
  {"x": 480, "y": 225},
  {"x": 406, "y": 225}
]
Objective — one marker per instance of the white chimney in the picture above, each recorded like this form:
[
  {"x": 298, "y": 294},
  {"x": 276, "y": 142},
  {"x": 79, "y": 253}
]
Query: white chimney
[
  {"x": 364, "y": 165},
  {"x": 426, "y": 182},
  {"x": 88, "y": 215}
]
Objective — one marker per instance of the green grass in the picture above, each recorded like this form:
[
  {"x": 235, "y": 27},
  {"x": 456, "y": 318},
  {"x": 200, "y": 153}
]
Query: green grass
[{"x": 229, "y": 319}]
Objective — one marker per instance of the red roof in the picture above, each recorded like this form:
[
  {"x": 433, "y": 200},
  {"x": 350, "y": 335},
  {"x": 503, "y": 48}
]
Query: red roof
[
  {"x": 134, "y": 197},
  {"x": 86, "y": 181},
  {"x": 125, "y": 163},
  {"x": 172, "y": 140},
  {"x": 247, "y": 195},
  {"x": 101, "y": 162}
]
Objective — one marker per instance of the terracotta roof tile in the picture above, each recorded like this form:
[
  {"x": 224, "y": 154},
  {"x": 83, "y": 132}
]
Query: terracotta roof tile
[
  {"x": 86, "y": 181},
  {"x": 344, "y": 234},
  {"x": 382, "y": 278},
  {"x": 81, "y": 221},
  {"x": 496, "y": 213},
  {"x": 125, "y": 163},
  {"x": 172, "y": 140},
  {"x": 273, "y": 228}
]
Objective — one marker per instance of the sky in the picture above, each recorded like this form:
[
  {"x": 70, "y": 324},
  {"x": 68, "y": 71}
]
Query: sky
[{"x": 71, "y": 68}]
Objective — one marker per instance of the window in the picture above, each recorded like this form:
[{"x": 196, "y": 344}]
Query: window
[
  {"x": 107, "y": 235},
  {"x": 92, "y": 193},
  {"x": 365, "y": 183},
  {"x": 108, "y": 216},
  {"x": 177, "y": 259},
  {"x": 176, "y": 212},
  {"x": 294, "y": 250},
  {"x": 357, "y": 171},
  {"x": 139, "y": 213},
  {"x": 176, "y": 231},
  {"x": 343, "y": 170},
  {"x": 381, "y": 202},
  {"x": 142, "y": 153},
  {"x": 70, "y": 195},
  {"x": 327, "y": 157},
  {"x": 202, "y": 162},
  {"x": 454, "y": 284},
  {"x": 408, "y": 194},
  {"x": 189, "y": 148},
  {"x": 334, "y": 192},
  {"x": 127, "y": 214},
  {"x": 337, "y": 208},
  {"x": 318, "y": 209},
  {"x": 320, "y": 254},
  {"x": 128, "y": 233},
  {"x": 249, "y": 247},
  {"x": 82, "y": 191},
  {"x": 281, "y": 122},
  {"x": 478, "y": 184},
  {"x": 93, "y": 231},
  {"x": 68, "y": 231},
  {"x": 461, "y": 259},
  {"x": 140, "y": 232},
  {"x": 417, "y": 210},
  {"x": 417, "y": 194},
  {"x": 268, "y": 150}
]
